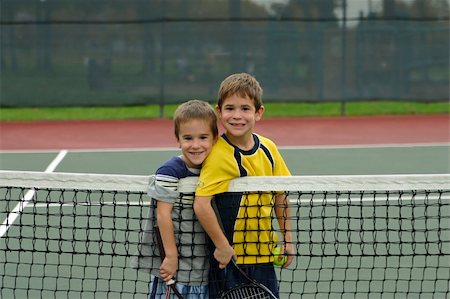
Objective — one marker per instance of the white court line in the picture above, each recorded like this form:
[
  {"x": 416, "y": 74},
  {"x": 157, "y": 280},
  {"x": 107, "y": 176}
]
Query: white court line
[
  {"x": 12, "y": 216},
  {"x": 130, "y": 203},
  {"x": 364, "y": 146},
  {"x": 58, "y": 205},
  {"x": 285, "y": 147}
]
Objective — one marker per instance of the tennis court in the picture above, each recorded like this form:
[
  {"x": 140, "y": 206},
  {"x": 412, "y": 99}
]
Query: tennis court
[
  {"x": 77, "y": 242},
  {"x": 369, "y": 195}
]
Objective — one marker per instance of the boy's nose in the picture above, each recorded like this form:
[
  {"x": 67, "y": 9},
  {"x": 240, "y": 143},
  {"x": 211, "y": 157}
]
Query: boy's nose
[{"x": 237, "y": 114}]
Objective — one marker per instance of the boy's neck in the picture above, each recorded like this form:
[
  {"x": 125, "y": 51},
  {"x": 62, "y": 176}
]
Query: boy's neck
[{"x": 245, "y": 142}]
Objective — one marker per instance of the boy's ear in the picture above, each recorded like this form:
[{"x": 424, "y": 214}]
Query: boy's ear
[
  {"x": 259, "y": 113},
  {"x": 218, "y": 109}
]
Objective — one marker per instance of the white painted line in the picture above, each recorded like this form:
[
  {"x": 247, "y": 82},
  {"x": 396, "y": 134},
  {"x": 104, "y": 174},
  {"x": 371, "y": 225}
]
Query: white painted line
[
  {"x": 12, "y": 216},
  {"x": 111, "y": 204},
  {"x": 92, "y": 150},
  {"x": 283, "y": 147},
  {"x": 52, "y": 166},
  {"x": 365, "y": 146}
]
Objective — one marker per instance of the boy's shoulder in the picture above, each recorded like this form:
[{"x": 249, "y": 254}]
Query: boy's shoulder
[
  {"x": 222, "y": 151},
  {"x": 265, "y": 140},
  {"x": 174, "y": 167},
  {"x": 222, "y": 145}
]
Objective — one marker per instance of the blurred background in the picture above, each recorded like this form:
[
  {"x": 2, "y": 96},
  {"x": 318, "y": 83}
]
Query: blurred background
[{"x": 57, "y": 53}]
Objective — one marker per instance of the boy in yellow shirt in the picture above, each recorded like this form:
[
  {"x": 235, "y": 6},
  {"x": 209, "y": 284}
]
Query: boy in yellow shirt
[{"x": 243, "y": 227}]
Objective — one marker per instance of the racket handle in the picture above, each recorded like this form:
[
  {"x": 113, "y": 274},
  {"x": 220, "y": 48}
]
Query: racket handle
[{"x": 170, "y": 282}]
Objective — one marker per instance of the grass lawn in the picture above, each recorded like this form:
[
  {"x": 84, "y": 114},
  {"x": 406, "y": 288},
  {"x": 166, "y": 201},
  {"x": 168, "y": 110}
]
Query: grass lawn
[{"x": 271, "y": 110}]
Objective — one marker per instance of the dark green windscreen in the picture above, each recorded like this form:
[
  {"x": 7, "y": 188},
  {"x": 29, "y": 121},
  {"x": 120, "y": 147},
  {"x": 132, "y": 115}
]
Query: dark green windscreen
[{"x": 114, "y": 53}]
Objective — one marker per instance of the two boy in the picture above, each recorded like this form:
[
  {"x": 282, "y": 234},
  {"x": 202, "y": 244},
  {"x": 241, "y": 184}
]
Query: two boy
[{"x": 240, "y": 227}]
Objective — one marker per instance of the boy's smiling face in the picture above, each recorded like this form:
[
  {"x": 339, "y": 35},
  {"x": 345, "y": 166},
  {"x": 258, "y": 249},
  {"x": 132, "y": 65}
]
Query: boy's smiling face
[
  {"x": 238, "y": 116},
  {"x": 195, "y": 140}
]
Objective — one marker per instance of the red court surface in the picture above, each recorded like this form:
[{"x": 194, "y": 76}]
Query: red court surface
[{"x": 308, "y": 131}]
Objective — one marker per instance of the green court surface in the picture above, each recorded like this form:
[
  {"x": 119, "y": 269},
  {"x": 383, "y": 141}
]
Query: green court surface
[
  {"x": 106, "y": 275},
  {"x": 406, "y": 159}
]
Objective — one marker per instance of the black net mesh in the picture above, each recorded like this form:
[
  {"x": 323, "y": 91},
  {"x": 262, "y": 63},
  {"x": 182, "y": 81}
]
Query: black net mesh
[{"x": 67, "y": 241}]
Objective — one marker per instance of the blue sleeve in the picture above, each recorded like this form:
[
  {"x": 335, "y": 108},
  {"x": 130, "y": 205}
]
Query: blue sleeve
[{"x": 164, "y": 185}]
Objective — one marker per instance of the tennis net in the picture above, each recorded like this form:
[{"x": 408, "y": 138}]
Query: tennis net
[{"x": 73, "y": 235}]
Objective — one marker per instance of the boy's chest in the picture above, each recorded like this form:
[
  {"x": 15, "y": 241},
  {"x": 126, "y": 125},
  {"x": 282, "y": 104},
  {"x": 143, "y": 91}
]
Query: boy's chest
[{"x": 257, "y": 164}]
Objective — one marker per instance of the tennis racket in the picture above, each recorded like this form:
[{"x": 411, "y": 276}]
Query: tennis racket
[
  {"x": 171, "y": 283},
  {"x": 251, "y": 289}
]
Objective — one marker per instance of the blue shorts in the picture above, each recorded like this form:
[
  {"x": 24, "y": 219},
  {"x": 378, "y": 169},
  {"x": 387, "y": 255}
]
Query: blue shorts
[
  {"x": 158, "y": 290},
  {"x": 221, "y": 280}
]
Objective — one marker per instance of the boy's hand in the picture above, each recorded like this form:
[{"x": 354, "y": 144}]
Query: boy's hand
[
  {"x": 289, "y": 252},
  {"x": 168, "y": 268},
  {"x": 223, "y": 255}
]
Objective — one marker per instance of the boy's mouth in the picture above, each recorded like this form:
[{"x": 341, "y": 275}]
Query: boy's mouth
[{"x": 196, "y": 153}]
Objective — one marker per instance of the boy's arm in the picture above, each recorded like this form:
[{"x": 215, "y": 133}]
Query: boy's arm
[
  {"x": 208, "y": 219},
  {"x": 282, "y": 212},
  {"x": 164, "y": 218}
]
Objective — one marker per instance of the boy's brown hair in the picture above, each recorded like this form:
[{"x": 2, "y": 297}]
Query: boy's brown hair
[
  {"x": 195, "y": 109},
  {"x": 242, "y": 84}
]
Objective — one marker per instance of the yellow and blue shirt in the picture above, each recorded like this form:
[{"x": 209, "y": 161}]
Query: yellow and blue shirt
[{"x": 246, "y": 219}]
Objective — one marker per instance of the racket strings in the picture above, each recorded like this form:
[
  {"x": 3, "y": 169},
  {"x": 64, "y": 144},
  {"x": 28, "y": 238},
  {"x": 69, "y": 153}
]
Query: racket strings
[{"x": 247, "y": 291}]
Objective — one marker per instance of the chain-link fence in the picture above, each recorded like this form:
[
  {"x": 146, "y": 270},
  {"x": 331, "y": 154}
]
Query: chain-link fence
[{"x": 114, "y": 53}]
